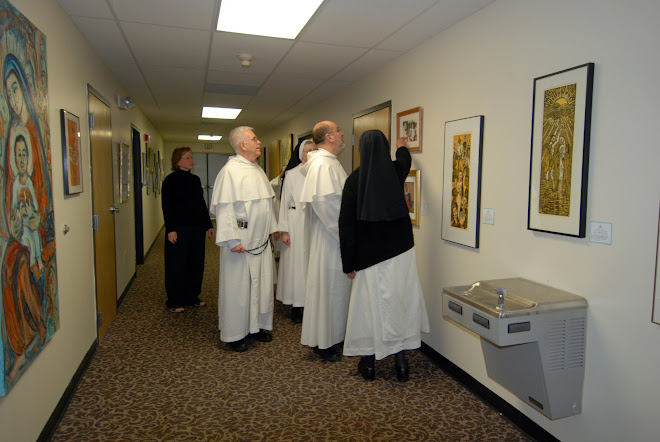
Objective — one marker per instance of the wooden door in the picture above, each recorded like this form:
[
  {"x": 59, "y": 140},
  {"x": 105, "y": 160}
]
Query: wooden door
[
  {"x": 100, "y": 137},
  {"x": 378, "y": 117}
]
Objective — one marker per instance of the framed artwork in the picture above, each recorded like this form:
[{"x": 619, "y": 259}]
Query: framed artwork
[
  {"x": 411, "y": 191},
  {"x": 286, "y": 147},
  {"x": 124, "y": 172},
  {"x": 461, "y": 190},
  {"x": 655, "y": 315},
  {"x": 144, "y": 171},
  {"x": 71, "y": 153},
  {"x": 561, "y": 126},
  {"x": 29, "y": 311},
  {"x": 273, "y": 159},
  {"x": 409, "y": 126}
]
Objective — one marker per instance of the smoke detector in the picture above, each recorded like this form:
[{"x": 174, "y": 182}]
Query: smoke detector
[{"x": 246, "y": 60}]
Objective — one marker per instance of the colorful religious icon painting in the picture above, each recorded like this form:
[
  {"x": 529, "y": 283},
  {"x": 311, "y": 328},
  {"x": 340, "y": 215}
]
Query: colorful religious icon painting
[{"x": 29, "y": 313}]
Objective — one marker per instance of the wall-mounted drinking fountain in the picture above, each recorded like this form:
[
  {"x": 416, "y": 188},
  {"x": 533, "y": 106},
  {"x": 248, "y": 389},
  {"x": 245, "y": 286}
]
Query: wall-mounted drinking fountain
[{"x": 533, "y": 338}]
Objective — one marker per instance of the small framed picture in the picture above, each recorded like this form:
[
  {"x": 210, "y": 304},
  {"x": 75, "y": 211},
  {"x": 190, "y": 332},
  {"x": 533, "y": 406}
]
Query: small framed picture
[
  {"x": 411, "y": 191},
  {"x": 461, "y": 192},
  {"x": 409, "y": 126},
  {"x": 71, "y": 153}
]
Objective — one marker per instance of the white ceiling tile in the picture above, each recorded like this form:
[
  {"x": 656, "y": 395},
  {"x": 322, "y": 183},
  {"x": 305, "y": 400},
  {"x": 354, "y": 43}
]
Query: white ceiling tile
[
  {"x": 366, "y": 64},
  {"x": 362, "y": 23},
  {"x": 226, "y": 100},
  {"x": 244, "y": 78},
  {"x": 105, "y": 37},
  {"x": 87, "y": 8},
  {"x": 167, "y": 46},
  {"x": 197, "y": 14},
  {"x": 267, "y": 52},
  {"x": 314, "y": 60},
  {"x": 179, "y": 79}
]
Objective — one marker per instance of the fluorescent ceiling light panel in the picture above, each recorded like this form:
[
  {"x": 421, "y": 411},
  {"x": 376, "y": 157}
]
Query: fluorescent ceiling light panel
[
  {"x": 269, "y": 18},
  {"x": 209, "y": 137},
  {"x": 224, "y": 113}
]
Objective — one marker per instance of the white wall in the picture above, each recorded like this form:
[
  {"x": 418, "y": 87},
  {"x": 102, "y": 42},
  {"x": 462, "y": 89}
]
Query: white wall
[
  {"x": 72, "y": 65},
  {"x": 485, "y": 65}
]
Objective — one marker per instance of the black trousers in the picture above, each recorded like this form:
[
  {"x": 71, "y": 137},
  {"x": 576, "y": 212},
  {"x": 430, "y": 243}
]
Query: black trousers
[{"x": 184, "y": 267}]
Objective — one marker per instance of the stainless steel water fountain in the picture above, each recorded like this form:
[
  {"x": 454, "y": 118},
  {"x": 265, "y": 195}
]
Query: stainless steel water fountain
[{"x": 533, "y": 338}]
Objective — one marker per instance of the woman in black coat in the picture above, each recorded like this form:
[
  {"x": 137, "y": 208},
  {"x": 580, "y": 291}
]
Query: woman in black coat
[{"x": 187, "y": 222}]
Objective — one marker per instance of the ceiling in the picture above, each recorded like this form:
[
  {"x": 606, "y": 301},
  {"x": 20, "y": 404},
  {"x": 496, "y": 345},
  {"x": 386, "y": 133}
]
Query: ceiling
[{"x": 171, "y": 60}]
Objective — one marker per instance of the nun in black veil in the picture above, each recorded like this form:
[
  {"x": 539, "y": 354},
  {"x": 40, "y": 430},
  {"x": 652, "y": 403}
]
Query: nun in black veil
[{"x": 386, "y": 312}]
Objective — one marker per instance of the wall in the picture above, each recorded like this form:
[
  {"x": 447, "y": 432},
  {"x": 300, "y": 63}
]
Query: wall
[
  {"x": 485, "y": 65},
  {"x": 29, "y": 405}
]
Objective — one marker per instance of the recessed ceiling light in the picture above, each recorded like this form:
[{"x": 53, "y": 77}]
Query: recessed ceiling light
[
  {"x": 225, "y": 113},
  {"x": 209, "y": 137},
  {"x": 281, "y": 18}
]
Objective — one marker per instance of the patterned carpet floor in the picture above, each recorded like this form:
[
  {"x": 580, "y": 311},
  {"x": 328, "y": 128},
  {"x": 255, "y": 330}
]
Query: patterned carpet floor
[{"x": 160, "y": 376}]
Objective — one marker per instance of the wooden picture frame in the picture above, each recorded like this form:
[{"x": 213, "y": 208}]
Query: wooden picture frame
[
  {"x": 73, "y": 182},
  {"x": 411, "y": 191},
  {"x": 559, "y": 165},
  {"x": 286, "y": 148},
  {"x": 409, "y": 126},
  {"x": 461, "y": 194}
]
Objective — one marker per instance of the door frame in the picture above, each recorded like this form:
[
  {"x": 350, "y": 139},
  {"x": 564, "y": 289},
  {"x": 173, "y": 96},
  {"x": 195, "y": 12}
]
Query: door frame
[
  {"x": 136, "y": 145},
  {"x": 386, "y": 104}
]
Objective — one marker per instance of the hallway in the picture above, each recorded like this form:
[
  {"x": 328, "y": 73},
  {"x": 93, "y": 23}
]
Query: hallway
[{"x": 161, "y": 376}]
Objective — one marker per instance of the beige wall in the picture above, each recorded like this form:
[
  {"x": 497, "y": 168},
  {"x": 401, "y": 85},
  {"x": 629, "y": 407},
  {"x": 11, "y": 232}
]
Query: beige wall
[
  {"x": 72, "y": 65},
  {"x": 486, "y": 65}
]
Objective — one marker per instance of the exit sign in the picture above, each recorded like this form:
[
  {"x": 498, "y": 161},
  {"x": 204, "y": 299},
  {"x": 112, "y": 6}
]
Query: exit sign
[{"x": 208, "y": 146}]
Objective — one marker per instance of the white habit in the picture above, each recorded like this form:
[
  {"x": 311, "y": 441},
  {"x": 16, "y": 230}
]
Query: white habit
[
  {"x": 242, "y": 203},
  {"x": 387, "y": 310},
  {"x": 327, "y": 288},
  {"x": 293, "y": 259}
]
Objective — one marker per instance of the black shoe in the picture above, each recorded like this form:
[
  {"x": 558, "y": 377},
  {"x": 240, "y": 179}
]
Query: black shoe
[
  {"x": 366, "y": 368},
  {"x": 238, "y": 346},
  {"x": 296, "y": 315},
  {"x": 261, "y": 336},
  {"x": 327, "y": 354},
  {"x": 401, "y": 366}
]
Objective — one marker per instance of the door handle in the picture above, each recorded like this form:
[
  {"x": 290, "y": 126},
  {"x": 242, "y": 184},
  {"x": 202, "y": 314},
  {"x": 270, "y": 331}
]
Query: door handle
[{"x": 113, "y": 209}]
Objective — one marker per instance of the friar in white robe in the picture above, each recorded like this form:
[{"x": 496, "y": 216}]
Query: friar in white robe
[
  {"x": 242, "y": 203},
  {"x": 294, "y": 255},
  {"x": 327, "y": 287}
]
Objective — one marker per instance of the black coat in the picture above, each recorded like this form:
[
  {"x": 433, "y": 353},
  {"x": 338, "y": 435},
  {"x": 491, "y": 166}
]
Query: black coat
[{"x": 183, "y": 203}]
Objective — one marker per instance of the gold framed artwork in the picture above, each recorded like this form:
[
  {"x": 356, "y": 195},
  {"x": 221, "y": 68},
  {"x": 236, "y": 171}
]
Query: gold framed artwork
[
  {"x": 559, "y": 167},
  {"x": 461, "y": 192},
  {"x": 286, "y": 147},
  {"x": 411, "y": 191},
  {"x": 409, "y": 126}
]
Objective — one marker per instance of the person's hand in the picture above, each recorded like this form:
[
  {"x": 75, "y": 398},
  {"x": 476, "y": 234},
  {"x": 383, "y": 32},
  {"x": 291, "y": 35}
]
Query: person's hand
[
  {"x": 211, "y": 232},
  {"x": 171, "y": 237},
  {"x": 276, "y": 236},
  {"x": 238, "y": 249},
  {"x": 286, "y": 239},
  {"x": 351, "y": 275},
  {"x": 401, "y": 142}
]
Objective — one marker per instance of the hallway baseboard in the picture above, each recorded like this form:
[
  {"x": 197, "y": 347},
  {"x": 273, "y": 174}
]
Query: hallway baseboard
[{"x": 62, "y": 405}]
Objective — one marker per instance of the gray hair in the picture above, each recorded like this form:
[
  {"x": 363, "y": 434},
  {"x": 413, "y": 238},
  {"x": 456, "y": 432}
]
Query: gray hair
[{"x": 236, "y": 135}]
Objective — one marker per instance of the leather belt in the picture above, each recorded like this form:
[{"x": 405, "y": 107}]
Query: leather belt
[{"x": 242, "y": 224}]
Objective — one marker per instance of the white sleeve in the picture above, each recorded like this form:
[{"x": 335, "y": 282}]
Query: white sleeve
[{"x": 326, "y": 209}]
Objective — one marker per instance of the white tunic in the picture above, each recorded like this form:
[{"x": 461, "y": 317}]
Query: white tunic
[
  {"x": 293, "y": 259},
  {"x": 387, "y": 309},
  {"x": 245, "y": 301},
  {"x": 327, "y": 287}
]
